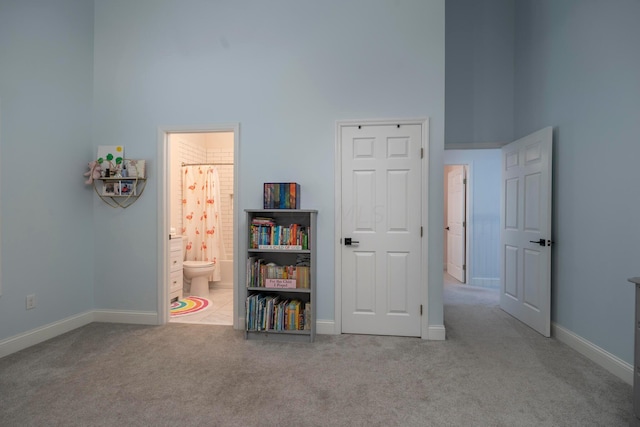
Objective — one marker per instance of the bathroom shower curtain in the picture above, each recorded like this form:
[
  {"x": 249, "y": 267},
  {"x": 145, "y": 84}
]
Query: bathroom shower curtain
[{"x": 201, "y": 221}]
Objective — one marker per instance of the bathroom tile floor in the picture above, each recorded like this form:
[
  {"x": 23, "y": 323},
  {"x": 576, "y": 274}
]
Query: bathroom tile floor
[{"x": 220, "y": 312}]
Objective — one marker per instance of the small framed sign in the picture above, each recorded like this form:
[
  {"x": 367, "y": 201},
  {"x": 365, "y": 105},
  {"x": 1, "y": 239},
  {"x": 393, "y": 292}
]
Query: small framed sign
[{"x": 280, "y": 283}]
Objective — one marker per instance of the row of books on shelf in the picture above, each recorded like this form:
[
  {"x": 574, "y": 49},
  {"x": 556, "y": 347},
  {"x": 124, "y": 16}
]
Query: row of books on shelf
[
  {"x": 272, "y": 313},
  {"x": 281, "y": 195},
  {"x": 269, "y": 275},
  {"x": 268, "y": 235}
]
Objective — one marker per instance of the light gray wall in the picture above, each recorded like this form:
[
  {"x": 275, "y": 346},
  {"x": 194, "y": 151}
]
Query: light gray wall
[
  {"x": 46, "y": 54},
  {"x": 577, "y": 65},
  {"x": 286, "y": 71},
  {"x": 479, "y": 71},
  {"x": 484, "y": 213}
]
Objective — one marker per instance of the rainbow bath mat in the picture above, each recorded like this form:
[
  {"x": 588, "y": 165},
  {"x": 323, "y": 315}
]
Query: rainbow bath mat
[{"x": 189, "y": 305}]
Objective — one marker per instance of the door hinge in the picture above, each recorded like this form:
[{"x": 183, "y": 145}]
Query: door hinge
[
  {"x": 420, "y": 231},
  {"x": 422, "y": 153},
  {"x": 464, "y": 268},
  {"x": 464, "y": 224},
  {"x": 464, "y": 181},
  {"x": 420, "y": 309}
]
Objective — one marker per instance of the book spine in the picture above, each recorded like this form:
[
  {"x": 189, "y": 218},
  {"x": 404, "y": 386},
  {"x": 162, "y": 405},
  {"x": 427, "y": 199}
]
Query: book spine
[
  {"x": 289, "y": 199},
  {"x": 265, "y": 197},
  {"x": 271, "y": 195},
  {"x": 307, "y": 316}
]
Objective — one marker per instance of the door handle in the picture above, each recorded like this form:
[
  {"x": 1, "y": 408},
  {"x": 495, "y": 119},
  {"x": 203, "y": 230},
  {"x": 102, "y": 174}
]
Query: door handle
[
  {"x": 349, "y": 242},
  {"x": 542, "y": 242},
  {"x": 446, "y": 228}
]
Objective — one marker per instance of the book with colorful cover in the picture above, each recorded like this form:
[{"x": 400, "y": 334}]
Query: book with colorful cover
[{"x": 281, "y": 195}]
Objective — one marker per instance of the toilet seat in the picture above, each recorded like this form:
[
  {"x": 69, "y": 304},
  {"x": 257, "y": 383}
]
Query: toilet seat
[{"x": 197, "y": 264}]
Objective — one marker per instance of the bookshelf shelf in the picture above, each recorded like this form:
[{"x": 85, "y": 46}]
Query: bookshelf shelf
[
  {"x": 305, "y": 251},
  {"x": 282, "y": 251}
]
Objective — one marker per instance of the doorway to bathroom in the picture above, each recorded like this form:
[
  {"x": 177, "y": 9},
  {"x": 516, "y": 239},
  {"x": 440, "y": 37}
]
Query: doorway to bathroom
[{"x": 199, "y": 205}]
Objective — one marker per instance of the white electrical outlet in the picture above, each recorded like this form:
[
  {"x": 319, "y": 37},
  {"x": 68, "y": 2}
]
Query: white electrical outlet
[{"x": 31, "y": 301}]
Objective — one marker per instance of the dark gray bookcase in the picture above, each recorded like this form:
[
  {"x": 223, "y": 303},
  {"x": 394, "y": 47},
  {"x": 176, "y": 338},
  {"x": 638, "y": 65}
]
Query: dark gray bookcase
[{"x": 283, "y": 255}]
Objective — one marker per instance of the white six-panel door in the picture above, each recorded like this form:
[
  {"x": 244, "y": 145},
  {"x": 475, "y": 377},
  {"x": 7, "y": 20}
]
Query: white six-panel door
[
  {"x": 456, "y": 223},
  {"x": 381, "y": 213},
  {"x": 525, "y": 230}
]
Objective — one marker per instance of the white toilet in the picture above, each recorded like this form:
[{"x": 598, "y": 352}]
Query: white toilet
[{"x": 198, "y": 272}]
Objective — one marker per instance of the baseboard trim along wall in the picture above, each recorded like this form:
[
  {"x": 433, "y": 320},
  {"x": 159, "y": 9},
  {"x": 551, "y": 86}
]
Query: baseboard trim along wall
[
  {"x": 326, "y": 327},
  {"x": 36, "y": 336},
  {"x": 437, "y": 333},
  {"x": 124, "y": 316},
  {"x": 608, "y": 361}
]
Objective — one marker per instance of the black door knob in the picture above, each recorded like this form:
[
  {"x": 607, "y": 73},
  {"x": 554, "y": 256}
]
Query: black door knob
[
  {"x": 541, "y": 242},
  {"x": 348, "y": 241}
]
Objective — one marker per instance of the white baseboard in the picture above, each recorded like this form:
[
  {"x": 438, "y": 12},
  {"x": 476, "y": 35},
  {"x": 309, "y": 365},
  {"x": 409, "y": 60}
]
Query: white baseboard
[
  {"x": 43, "y": 333},
  {"x": 436, "y": 333},
  {"x": 608, "y": 361},
  {"x": 125, "y": 316},
  {"x": 52, "y": 330},
  {"x": 326, "y": 327}
]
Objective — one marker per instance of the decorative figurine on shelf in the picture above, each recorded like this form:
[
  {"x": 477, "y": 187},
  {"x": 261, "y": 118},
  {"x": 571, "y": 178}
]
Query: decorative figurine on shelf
[{"x": 94, "y": 172}]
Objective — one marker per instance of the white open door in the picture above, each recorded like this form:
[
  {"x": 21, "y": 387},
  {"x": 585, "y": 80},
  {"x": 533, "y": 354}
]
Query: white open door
[
  {"x": 456, "y": 223},
  {"x": 525, "y": 230}
]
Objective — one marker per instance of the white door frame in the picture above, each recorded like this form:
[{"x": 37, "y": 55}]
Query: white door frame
[
  {"x": 164, "y": 210},
  {"x": 424, "y": 123}
]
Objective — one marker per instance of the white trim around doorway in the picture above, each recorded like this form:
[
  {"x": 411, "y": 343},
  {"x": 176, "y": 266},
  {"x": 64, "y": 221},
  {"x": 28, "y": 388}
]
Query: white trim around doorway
[{"x": 164, "y": 214}]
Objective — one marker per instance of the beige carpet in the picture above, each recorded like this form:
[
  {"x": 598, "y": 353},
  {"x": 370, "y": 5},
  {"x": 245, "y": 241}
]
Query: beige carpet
[{"x": 492, "y": 371}]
